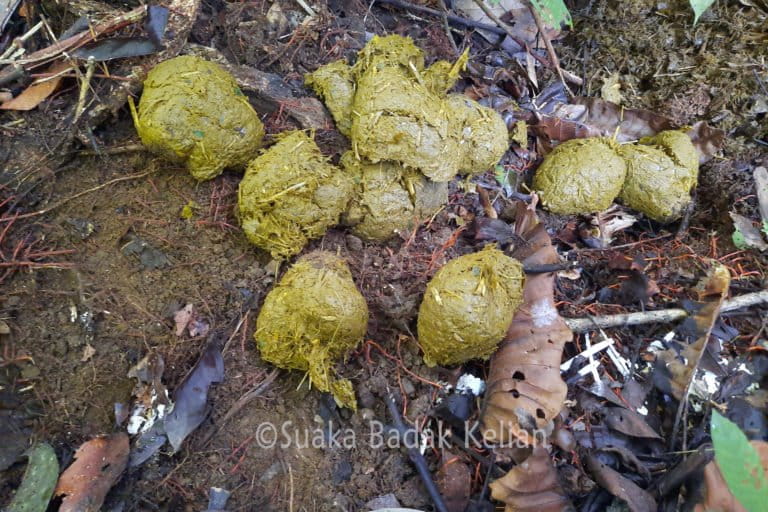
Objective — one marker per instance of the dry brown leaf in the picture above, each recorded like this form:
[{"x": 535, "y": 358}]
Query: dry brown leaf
[
  {"x": 98, "y": 465},
  {"x": 594, "y": 117},
  {"x": 717, "y": 495},
  {"x": 532, "y": 486},
  {"x": 36, "y": 93},
  {"x": 524, "y": 388},
  {"x": 637, "y": 499},
  {"x": 674, "y": 373}
]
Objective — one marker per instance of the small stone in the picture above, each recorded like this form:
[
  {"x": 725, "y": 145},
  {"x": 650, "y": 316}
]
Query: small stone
[
  {"x": 365, "y": 398},
  {"x": 354, "y": 244},
  {"x": 385, "y": 501},
  {"x": 408, "y": 388},
  {"x": 367, "y": 414}
]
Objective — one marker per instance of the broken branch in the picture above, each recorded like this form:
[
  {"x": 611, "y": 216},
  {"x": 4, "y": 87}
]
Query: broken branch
[{"x": 660, "y": 316}]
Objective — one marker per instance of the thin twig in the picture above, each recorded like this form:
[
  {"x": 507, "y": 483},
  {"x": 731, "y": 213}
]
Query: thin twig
[
  {"x": 79, "y": 194},
  {"x": 416, "y": 457},
  {"x": 447, "y": 27},
  {"x": 659, "y": 316},
  {"x": 241, "y": 402},
  {"x": 452, "y": 18},
  {"x": 551, "y": 51},
  {"x": 552, "y": 64}
]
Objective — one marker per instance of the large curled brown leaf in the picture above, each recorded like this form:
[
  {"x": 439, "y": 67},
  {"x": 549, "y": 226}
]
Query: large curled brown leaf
[
  {"x": 525, "y": 390},
  {"x": 98, "y": 465},
  {"x": 532, "y": 486}
]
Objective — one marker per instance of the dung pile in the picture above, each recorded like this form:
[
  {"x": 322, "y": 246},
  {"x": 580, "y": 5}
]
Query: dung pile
[
  {"x": 389, "y": 198},
  {"x": 655, "y": 176},
  {"x": 290, "y": 195},
  {"x": 468, "y": 307},
  {"x": 393, "y": 109},
  {"x": 311, "y": 319},
  {"x": 192, "y": 111}
]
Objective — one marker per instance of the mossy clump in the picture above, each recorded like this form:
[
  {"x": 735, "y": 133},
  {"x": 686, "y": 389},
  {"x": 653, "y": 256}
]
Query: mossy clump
[
  {"x": 655, "y": 184},
  {"x": 678, "y": 146},
  {"x": 468, "y": 307},
  {"x": 311, "y": 319},
  {"x": 389, "y": 198},
  {"x": 580, "y": 176},
  {"x": 290, "y": 195},
  {"x": 192, "y": 111},
  {"x": 398, "y": 111}
]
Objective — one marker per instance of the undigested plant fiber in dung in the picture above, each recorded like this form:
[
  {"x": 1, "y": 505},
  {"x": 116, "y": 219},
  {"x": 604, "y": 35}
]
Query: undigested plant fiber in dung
[
  {"x": 312, "y": 319},
  {"x": 468, "y": 307},
  {"x": 192, "y": 111}
]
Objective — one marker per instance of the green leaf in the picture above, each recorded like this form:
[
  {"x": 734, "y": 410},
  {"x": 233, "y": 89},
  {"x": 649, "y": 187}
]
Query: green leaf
[
  {"x": 553, "y": 12},
  {"x": 501, "y": 175},
  {"x": 39, "y": 481},
  {"x": 738, "y": 239},
  {"x": 699, "y": 6},
  {"x": 739, "y": 463},
  {"x": 765, "y": 227}
]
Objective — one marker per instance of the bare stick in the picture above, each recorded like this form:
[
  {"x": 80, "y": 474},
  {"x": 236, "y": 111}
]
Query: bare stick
[
  {"x": 416, "y": 457},
  {"x": 241, "y": 402},
  {"x": 84, "y": 37},
  {"x": 660, "y": 316},
  {"x": 552, "y": 64},
  {"x": 563, "y": 74}
]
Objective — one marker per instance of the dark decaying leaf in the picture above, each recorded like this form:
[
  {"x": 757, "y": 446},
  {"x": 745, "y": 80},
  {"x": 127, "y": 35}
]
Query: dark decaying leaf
[
  {"x": 123, "y": 47},
  {"x": 190, "y": 407},
  {"x": 637, "y": 499},
  {"x": 98, "y": 465},
  {"x": 524, "y": 388},
  {"x": 191, "y": 397},
  {"x": 673, "y": 373},
  {"x": 39, "y": 481},
  {"x": 454, "y": 480},
  {"x": 593, "y": 117},
  {"x": 532, "y": 486},
  {"x": 629, "y": 423}
]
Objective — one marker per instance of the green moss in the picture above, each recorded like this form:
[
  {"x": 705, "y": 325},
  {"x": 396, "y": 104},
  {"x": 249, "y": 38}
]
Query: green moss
[
  {"x": 580, "y": 176},
  {"x": 290, "y": 195},
  {"x": 655, "y": 184},
  {"x": 468, "y": 307},
  {"x": 312, "y": 318},
  {"x": 192, "y": 111},
  {"x": 335, "y": 84},
  {"x": 678, "y": 146},
  {"x": 389, "y": 198}
]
